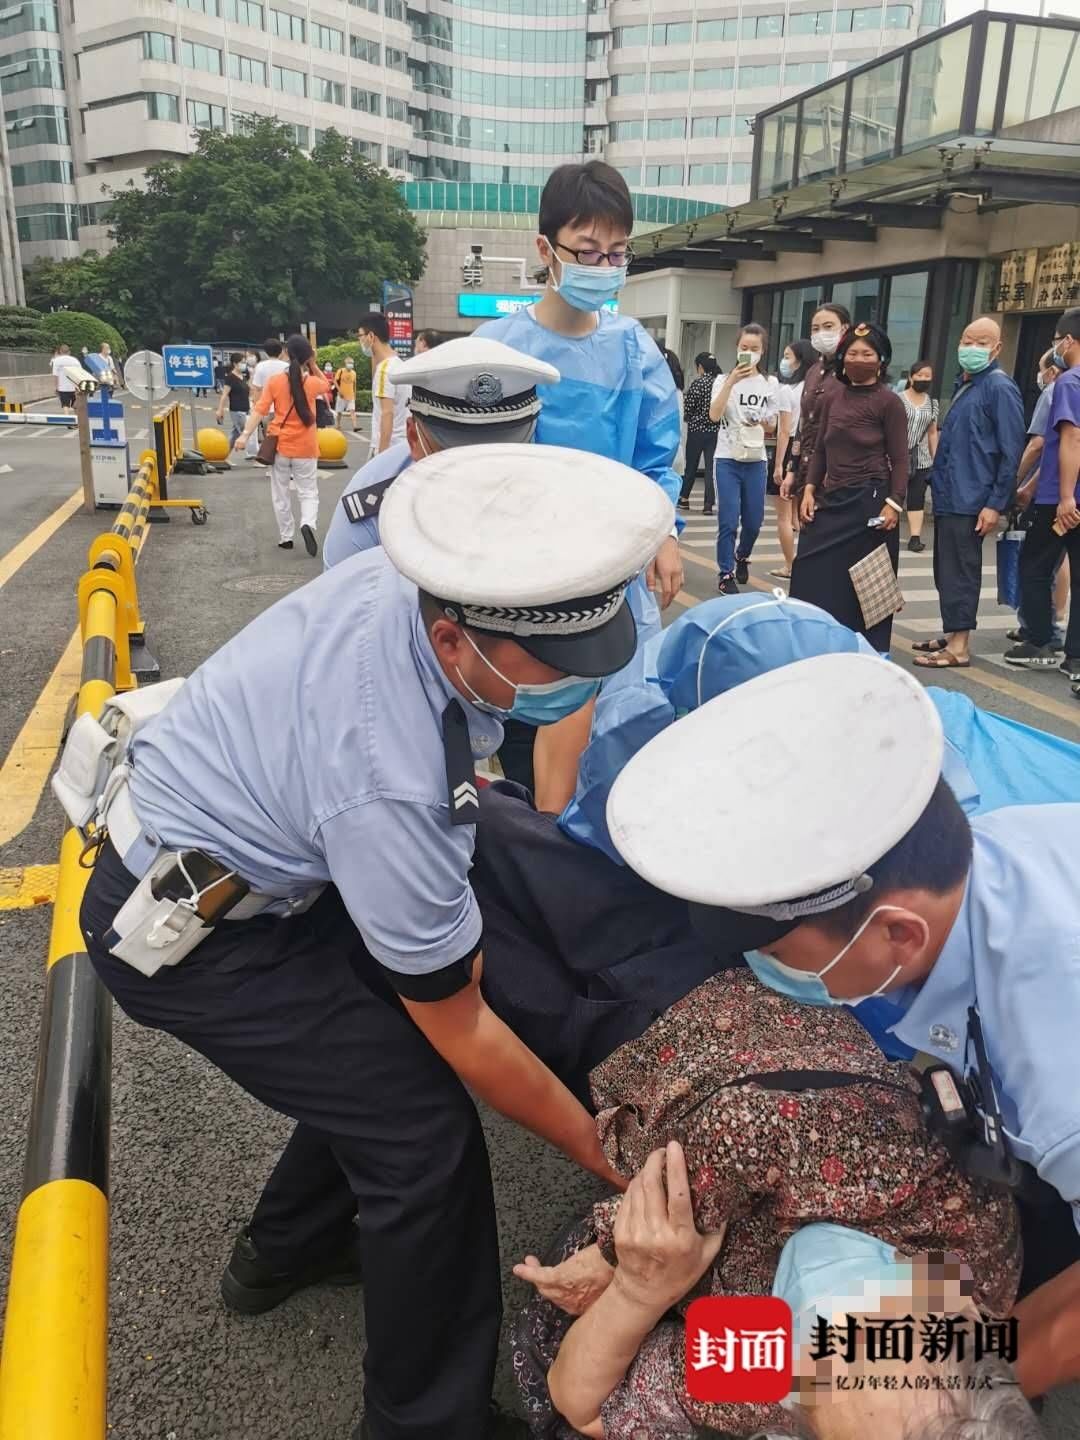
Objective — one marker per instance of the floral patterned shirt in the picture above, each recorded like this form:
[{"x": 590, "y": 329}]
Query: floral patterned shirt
[{"x": 768, "y": 1162}]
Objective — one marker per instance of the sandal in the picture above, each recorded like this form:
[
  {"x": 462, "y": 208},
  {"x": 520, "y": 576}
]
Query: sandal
[
  {"x": 930, "y": 647},
  {"x": 781, "y": 574},
  {"x": 941, "y": 660}
]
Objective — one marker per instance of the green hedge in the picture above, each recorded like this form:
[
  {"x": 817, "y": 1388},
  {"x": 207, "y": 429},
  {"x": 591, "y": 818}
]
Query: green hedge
[
  {"x": 338, "y": 351},
  {"x": 21, "y": 329},
  {"x": 76, "y": 329}
]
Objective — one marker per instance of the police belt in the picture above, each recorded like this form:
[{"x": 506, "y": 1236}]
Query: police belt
[{"x": 232, "y": 900}]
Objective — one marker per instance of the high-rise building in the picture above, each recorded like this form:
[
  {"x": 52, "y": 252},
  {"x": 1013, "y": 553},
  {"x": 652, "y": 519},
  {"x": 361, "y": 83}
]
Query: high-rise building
[{"x": 458, "y": 90}]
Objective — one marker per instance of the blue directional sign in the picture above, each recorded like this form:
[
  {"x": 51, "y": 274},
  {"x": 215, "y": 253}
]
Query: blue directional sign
[
  {"x": 188, "y": 367},
  {"x": 106, "y": 418}
]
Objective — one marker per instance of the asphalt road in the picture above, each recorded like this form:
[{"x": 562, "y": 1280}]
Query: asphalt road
[{"x": 190, "y": 1151}]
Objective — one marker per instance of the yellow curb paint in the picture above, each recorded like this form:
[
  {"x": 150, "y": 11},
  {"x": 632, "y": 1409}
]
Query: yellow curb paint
[
  {"x": 18, "y": 555},
  {"x": 33, "y": 752},
  {"x": 28, "y": 885}
]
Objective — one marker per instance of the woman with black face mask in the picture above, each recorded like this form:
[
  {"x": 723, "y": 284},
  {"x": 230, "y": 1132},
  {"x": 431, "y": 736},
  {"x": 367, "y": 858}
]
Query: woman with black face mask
[
  {"x": 922, "y": 429},
  {"x": 856, "y": 486}
]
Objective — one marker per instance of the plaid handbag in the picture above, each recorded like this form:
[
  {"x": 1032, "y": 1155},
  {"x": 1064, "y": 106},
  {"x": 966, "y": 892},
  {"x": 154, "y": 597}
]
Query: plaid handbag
[{"x": 876, "y": 587}]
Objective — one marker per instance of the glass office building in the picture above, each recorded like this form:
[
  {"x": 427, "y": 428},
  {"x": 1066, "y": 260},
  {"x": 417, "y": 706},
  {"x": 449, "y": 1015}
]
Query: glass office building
[{"x": 459, "y": 91}]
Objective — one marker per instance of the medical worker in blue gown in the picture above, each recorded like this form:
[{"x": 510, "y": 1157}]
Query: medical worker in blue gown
[
  {"x": 989, "y": 762},
  {"x": 616, "y": 396}
]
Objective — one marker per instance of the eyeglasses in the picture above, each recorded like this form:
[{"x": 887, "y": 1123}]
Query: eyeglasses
[{"x": 622, "y": 256}]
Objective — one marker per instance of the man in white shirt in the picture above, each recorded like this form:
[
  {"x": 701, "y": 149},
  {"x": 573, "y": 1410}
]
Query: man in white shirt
[
  {"x": 63, "y": 366},
  {"x": 273, "y": 364},
  {"x": 389, "y": 403}
]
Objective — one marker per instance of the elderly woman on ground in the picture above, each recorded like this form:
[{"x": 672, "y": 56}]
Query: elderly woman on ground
[{"x": 730, "y": 1073}]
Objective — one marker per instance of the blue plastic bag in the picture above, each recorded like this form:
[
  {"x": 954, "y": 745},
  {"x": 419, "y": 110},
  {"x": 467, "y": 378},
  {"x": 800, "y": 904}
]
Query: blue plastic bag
[{"x": 1009, "y": 546}]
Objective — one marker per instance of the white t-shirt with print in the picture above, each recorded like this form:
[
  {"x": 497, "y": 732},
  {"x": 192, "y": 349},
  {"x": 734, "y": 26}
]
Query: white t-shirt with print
[
  {"x": 752, "y": 401},
  {"x": 382, "y": 389},
  {"x": 62, "y": 366}
]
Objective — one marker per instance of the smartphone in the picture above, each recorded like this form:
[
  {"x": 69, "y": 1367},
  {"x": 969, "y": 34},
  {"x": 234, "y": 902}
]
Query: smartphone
[
  {"x": 746, "y": 357},
  {"x": 876, "y": 523}
]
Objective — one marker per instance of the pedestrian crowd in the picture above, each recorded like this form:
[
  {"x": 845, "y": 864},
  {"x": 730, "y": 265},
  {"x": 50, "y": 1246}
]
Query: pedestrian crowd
[{"x": 739, "y": 922}]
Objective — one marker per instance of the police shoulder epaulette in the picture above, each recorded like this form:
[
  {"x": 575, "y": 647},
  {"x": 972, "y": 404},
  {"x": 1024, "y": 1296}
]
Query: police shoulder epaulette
[{"x": 362, "y": 504}]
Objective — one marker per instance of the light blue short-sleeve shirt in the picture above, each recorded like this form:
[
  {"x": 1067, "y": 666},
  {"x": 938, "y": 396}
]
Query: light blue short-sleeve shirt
[
  {"x": 1015, "y": 952},
  {"x": 348, "y": 536},
  {"x": 309, "y": 749}
]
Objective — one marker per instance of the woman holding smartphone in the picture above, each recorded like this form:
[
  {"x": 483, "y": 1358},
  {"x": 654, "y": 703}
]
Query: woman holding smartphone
[
  {"x": 745, "y": 402},
  {"x": 856, "y": 485}
]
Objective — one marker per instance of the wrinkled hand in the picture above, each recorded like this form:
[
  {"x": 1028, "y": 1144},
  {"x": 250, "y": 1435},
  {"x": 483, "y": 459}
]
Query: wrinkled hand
[
  {"x": 889, "y": 518},
  {"x": 1068, "y": 514},
  {"x": 1026, "y": 493},
  {"x": 807, "y": 510},
  {"x": 665, "y": 572},
  {"x": 987, "y": 521},
  {"x": 660, "y": 1252},
  {"x": 573, "y": 1285}
]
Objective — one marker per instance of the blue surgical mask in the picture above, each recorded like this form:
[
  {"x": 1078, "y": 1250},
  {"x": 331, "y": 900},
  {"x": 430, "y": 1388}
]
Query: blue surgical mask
[
  {"x": 587, "y": 287},
  {"x": 787, "y": 369},
  {"x": 807, "y": 986},
  {"x": 829, "y": 1270},
  {"x": 534, "y": 704},
  {"x": 1060, "y": 363}
]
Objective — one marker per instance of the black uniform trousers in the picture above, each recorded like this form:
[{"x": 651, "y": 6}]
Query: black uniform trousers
[
  {"x": 298, "y": 1013},
  {"x": 958, "y": 553}
]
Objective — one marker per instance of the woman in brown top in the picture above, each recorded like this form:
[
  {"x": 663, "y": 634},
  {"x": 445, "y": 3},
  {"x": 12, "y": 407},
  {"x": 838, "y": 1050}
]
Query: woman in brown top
[
  {"x": 827, "y": 329},
  {"x": 856, "y": 484},
  {"x": 762, "y": 1162}
]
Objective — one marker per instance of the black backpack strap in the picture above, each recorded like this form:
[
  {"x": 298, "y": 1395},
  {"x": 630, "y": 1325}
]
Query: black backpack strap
[{"x": 797, "y": 1081}]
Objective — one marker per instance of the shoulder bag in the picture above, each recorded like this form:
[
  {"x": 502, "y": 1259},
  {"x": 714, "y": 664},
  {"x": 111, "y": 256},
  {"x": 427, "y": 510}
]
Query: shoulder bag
[{"x": 267, "y": 451}]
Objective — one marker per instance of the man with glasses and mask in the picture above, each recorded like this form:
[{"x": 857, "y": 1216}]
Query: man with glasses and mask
[
  {"x": 969, "y": 929},
  {"x": 616, "y": 396}
]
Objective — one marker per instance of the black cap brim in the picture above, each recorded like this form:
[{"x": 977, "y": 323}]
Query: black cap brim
[
  {"x": 591, "y": 654},
  {"x": 733, "y": 930}
]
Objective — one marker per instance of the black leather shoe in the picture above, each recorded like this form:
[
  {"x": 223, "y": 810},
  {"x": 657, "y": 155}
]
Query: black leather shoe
[
  {"x": 252, "y": 1285},
  {"x": 285, "y": 545},
  {"x": 311, "y": 545},
  {"x": 501, "y": 1426},
  {"x": 742, "y": 572}
]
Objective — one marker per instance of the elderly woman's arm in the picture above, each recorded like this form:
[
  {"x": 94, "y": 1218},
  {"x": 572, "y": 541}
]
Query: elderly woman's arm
[{"x": 661, "y": 1257}]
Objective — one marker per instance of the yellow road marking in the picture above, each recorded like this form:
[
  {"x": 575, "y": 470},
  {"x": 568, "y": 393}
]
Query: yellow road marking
[
  {"x": 18, "y": 555},
  {"x": 28, "y": 762},
  {"x": 28, "y": 885},
  {"x": 978, "y": 674}
]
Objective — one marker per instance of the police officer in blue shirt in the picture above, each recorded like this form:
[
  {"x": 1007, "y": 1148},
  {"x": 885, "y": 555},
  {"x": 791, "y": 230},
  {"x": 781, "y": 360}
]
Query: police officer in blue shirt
[
  {"x": 465, "y": 392},
  {"x": 292, "y": 900},
  {"x": 970, "y": 928}
]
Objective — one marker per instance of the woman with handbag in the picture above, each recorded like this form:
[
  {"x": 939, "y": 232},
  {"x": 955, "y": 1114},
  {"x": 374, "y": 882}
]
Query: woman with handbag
[
  {"x": 744, "y": 401},
  {"x": 849, "y": 544},
  {"x": 291, "y": 446}
]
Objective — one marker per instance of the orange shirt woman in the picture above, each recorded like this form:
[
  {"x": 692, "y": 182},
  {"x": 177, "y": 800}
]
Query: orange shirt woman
[{"x": 296, "y": 440}]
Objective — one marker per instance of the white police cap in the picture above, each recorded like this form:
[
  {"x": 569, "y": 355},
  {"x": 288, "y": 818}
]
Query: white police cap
[
  {"x": 473, "y": 382},
  {"x": 533, "y": 542},
  {"x": 774, "y": 799}
]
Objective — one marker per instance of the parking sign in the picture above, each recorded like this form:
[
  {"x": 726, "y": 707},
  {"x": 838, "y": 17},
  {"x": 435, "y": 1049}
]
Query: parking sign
[{"x": 188, "y": 367}]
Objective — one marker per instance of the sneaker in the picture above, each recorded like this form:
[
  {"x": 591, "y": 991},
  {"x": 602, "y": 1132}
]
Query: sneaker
[
  {"x": 742, "y": 571},
  {"x": 501, "y": 1426},
  {"x": 682, "y": 504},
  {"x": 251, "y": 1285},
  {"x": 311, "y": 545},
  {"x": 1034, "y": 657},
  {"x": 1016, "y": 635},
  {"x": 916, "y": 545},
  {"x": 1070, "y": 667},
  {"x": 727, "y": 586},
  {"x": 285, "y": 545}
]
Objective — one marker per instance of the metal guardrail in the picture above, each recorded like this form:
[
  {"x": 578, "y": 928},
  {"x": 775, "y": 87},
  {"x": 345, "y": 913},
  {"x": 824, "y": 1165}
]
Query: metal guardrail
[{"x": 53, "y": 1367}]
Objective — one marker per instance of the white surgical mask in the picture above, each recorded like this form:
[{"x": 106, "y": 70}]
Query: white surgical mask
[
  {"x": 825, "y": 341},
  {"x": 807, "y": 986}
]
